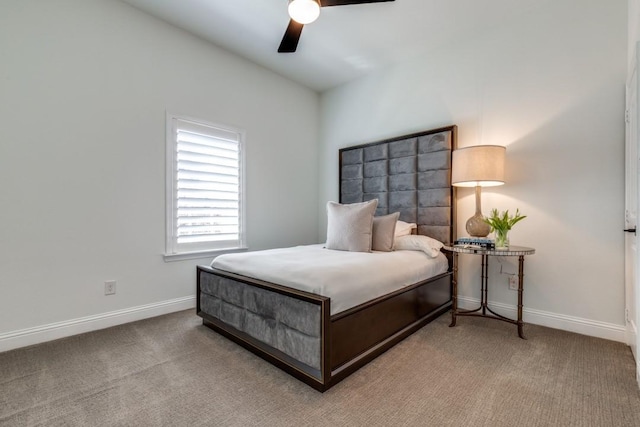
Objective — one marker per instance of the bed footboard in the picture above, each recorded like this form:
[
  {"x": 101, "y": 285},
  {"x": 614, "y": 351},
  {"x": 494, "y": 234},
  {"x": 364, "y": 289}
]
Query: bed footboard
[
  {"x": 294, "y": 329},
  {"x": 274, "y": 321}
]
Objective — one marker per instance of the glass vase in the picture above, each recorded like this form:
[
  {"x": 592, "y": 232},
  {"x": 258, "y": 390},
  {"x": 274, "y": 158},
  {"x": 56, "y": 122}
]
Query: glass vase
[{"x": 502, "y": 239}]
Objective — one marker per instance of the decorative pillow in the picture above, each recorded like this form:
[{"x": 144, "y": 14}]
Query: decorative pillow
[
  {"x": 404, "y": 228},
  {"x": 416, "y": 242},
  {"x": 349, "y": 227},
  {"x": 384, "y": 228}
]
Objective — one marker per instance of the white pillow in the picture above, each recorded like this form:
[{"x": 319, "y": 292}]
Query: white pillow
[
  {"x": 416, "y": 242},
  {"x": 350, "y": 227},
  {"x": 383, "y": 232},
  {"x": 404, "y": 228}
]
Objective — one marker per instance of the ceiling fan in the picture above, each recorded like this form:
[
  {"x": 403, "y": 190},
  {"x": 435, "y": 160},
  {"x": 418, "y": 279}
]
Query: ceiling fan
[{"x": 306, "y": 11}]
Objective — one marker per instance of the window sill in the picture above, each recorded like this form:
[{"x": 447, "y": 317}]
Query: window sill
[{"x": 201, "y": 254}]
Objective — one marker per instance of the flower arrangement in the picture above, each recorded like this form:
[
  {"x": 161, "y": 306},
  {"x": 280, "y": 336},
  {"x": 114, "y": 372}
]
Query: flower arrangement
[{"x": 501, "y": 223}]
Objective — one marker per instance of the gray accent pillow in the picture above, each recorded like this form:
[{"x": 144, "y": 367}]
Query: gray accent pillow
[
  {"x": 349, "y": 227},
  {"x": 384, "y": 228}
]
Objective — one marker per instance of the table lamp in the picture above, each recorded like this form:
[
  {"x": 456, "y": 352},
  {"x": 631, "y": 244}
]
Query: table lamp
[{"x": 478, "y": 166}]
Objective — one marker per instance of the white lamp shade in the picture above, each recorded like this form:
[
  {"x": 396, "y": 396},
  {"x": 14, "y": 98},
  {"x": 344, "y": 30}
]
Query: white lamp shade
[
  {"x": 480, "y": 165},
  {"x": 304, "y": 11}
]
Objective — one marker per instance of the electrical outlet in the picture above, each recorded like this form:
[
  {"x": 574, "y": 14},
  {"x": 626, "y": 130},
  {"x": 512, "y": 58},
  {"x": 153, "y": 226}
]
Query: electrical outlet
[
  {"x": 110, "y": 287},
  {"x": 513, "y": 282}
]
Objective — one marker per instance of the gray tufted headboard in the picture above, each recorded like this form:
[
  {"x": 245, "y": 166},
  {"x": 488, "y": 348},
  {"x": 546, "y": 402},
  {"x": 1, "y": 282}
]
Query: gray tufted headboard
[{"x": 410, "y": 174}]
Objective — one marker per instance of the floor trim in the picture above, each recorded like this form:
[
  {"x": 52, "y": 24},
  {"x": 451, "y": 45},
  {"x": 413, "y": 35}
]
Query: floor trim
[
  {"x": 44, "y": 333},
  {"x": 593, "y": 328},
  {"x": 53, "y": 331}
]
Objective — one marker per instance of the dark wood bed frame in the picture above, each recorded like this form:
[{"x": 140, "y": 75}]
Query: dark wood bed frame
[{"x": 354, "y": 337}]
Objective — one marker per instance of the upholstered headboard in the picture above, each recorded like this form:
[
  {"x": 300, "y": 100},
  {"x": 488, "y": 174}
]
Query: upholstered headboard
[{"x": 410, "y": 174}]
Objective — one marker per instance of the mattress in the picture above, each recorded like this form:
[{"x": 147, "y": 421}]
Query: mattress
[{"x": 348, "y": 278}]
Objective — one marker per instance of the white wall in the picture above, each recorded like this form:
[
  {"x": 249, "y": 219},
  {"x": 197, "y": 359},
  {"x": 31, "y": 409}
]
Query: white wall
[
  {"x": 633, "y": 28},
  {"x": 549, "y": 86},
  {"x": 84, "y": 86}
]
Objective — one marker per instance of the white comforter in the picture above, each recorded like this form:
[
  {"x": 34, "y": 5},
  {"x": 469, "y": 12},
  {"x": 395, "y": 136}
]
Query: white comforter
[{"x": 348, "y": 278}]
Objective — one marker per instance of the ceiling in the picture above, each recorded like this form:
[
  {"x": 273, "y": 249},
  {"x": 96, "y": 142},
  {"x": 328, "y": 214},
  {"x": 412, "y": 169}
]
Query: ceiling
[{"x": 345, "y": 42}]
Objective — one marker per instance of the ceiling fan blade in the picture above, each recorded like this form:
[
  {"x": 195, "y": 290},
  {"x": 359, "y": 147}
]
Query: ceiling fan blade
[
  {"x": 326, "y": 3},
  {"x": 291, "y": 37}
]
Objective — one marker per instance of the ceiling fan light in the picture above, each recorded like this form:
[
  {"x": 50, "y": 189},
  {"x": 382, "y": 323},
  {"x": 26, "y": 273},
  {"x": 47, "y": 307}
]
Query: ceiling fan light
[{"x": 304, "y": 11}]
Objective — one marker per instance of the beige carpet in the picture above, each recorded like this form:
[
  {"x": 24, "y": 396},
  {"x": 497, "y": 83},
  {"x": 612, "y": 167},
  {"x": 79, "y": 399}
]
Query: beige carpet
[{"x": 173, "y": 371}]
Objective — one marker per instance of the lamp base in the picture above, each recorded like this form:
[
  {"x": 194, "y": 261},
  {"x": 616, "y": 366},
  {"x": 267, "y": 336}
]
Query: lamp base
[{"x": 476, "y": 227}]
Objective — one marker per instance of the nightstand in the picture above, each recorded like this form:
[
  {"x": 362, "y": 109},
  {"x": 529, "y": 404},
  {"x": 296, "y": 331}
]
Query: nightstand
[{"x": 519, "y": 251}]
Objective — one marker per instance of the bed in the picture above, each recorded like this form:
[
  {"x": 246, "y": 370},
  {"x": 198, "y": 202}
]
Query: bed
[{"x": 310, "y": 329}]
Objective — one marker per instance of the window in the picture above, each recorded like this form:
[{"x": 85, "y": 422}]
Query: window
[{"x": 204, "y": 188}]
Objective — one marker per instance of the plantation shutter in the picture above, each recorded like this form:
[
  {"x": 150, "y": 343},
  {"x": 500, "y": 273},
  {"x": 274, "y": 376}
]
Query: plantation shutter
[{"x": 207, "y": 188}]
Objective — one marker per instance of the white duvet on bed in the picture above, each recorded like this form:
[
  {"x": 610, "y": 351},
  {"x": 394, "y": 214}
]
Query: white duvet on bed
[{"x": 348, "y": 278}]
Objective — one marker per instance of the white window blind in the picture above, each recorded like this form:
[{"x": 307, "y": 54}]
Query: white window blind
[{"x": 206, "y": 206}]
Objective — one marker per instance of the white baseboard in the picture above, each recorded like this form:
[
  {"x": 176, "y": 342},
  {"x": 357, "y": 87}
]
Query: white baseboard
[
  {"x": 40, "y": 334},
  {"x": 53, "y": 331},
  {"x": 632, "y": 337},
  {"x": 593, "y": 328}
]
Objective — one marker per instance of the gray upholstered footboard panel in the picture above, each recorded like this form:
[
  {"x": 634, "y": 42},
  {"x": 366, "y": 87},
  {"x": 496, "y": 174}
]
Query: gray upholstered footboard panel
[{"x": 288, "y": 324}]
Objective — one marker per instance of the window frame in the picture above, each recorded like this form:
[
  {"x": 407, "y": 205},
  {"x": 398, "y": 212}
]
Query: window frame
[{"x": 173, "y": 250}]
